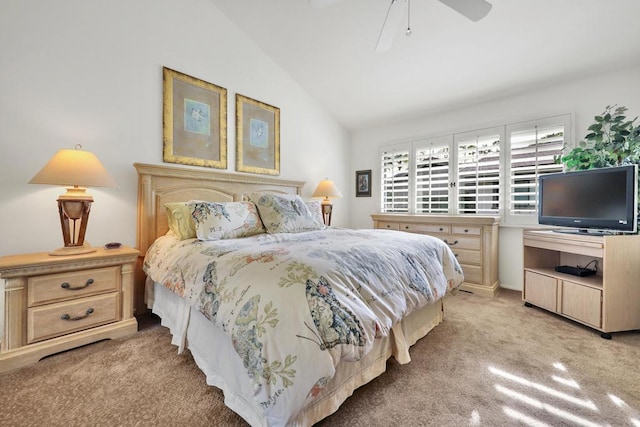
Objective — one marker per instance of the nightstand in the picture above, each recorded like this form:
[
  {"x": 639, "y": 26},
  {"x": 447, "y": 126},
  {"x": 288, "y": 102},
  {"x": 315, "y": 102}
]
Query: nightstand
[{"x": 55, "y": 303}]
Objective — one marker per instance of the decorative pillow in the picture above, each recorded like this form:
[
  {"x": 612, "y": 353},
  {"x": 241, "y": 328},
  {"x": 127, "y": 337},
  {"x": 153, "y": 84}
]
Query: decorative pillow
[
  {"x": 180, "y": 220},
  {"x": 215, "y": 221},
  {"x": 315, "y": 207},
  {"x": 285, "y": 213}
]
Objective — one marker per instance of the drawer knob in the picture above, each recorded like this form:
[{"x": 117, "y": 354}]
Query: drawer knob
[
  {"x": 441, "y": 229},
  {"x": 455, "y": 242},
  {"x": 406, "y": 227},
  {"x": 68, "y": 287},
  {"x": 67, "y": 317},
  {"x": 388, "y": 226},
  {"x": 466, "y": 230}
]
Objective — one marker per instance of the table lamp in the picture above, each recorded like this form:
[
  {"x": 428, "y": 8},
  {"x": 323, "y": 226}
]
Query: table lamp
[
  {"x": 327, "y": 189},
  {"x": 77, "y": 169}
]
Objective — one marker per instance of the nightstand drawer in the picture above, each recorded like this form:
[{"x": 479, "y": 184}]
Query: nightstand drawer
[
  {"x": 63, "y": 318},
  {"x": 71, "y": 285}
]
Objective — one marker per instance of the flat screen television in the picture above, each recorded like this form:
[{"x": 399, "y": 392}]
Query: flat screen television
[{"x": 604, "y": 199}]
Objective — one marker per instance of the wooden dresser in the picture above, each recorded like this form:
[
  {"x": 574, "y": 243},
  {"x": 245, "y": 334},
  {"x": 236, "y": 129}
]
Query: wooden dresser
[
  {"x": 54, "y": 303},
  {"x": 473, "y": 239}
]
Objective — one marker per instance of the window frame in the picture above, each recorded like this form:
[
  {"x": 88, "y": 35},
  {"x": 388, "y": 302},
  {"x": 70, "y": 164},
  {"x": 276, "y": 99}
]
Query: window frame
[{"x": 504, "y": 132}]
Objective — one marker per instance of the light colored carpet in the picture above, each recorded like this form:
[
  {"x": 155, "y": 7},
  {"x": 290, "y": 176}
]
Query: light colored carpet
[{"x": 493, "y": 362}]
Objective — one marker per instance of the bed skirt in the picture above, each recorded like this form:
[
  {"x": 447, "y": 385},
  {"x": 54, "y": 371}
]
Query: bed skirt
[{"x": 214, "y": 354}]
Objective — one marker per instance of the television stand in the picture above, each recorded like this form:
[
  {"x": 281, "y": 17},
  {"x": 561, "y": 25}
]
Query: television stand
[{"x": 608, "y": 301}]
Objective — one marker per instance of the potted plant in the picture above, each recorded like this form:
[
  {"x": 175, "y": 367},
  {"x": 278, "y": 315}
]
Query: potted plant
[{"x": 612, "y": 141}]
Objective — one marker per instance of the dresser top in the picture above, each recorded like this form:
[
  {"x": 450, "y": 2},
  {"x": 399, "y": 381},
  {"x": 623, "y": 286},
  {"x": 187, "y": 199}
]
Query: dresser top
[{"x": 437, "y": 219}]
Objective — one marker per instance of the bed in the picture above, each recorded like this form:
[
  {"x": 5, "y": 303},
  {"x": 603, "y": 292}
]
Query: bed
[{"x": 288, "y": 322}]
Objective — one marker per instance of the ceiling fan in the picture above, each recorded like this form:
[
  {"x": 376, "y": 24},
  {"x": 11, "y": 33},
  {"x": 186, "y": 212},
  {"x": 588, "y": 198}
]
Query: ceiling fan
[{"x": 475, "y": 10}]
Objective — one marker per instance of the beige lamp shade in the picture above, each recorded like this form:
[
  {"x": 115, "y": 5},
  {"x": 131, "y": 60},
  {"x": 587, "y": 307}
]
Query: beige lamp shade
[
  {"x": 76, "y": 169},
  {"x": 327, "y": 189}
]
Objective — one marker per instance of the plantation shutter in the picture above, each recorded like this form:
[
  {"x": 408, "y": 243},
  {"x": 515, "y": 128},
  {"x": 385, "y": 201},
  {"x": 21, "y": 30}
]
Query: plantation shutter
[
  {"x": 532, "y": 155},
  {"x": 395, "y": 179},
  {"x": 432, "y": 160},
  {"x": 533, "y": 149},
  {"x": 478, "y": 178}
]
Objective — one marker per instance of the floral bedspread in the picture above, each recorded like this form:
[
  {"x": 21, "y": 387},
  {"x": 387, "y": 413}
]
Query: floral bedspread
[{"x": 296, "y": 304}]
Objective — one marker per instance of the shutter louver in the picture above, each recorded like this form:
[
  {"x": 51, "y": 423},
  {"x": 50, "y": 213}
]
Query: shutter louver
[
  {"x": 533, "y": 153},
  {"x": 432, "y": 179},
  {"x": 395, "y": 181},
  {"x": 479, "y": 175}
]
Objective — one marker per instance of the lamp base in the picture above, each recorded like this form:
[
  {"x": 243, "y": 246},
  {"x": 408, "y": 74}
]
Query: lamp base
[
  {"x": 86, "y": 248},
  {"x": 327, "y": 208}
]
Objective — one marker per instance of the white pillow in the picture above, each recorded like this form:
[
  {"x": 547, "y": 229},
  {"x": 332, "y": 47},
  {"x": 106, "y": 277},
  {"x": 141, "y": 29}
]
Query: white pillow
[
  {"x": 315, "y": 207},
  {"x": 230, "y": 220},
  {"x": 285, "y": 213}
]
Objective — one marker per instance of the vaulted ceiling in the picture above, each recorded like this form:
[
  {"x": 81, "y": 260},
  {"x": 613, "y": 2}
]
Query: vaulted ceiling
[{"x": 447, "y": 62}]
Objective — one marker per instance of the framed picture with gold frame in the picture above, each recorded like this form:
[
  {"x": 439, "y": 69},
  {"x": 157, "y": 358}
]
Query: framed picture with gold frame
[
  {"x": 194, "y": 121},
  {"x": 257, "y": 136}
]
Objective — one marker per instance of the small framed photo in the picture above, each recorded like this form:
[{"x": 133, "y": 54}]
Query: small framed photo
[
  {"x": 194, "y": 121},
  {"x": 257, "y": 137},
  {"x": 363, "y": 183}
]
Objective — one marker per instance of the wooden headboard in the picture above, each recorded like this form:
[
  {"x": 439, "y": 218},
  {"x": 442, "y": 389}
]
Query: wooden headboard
[{"x": 160, "y": 184}]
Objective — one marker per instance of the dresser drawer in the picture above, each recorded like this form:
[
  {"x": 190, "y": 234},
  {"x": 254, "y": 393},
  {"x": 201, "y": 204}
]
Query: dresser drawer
[
  {"x": 468, "y": 257},
  {"x": 65, "y": 317},
  {"x": 71, "y": 285},
  {"x": 426, "y": 228},
  {"x": 472, "y": 273},
  {"x": 460, "y": 242},
  {"x": 470, "y": 231},
  {"x": 389, "y": 225}
]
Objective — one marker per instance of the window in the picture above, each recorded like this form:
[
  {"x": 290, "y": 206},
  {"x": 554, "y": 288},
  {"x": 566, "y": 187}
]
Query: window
[
  {"x": 533, "y": 149},
  {"x": 486, "y": 172},
  {"x": 395, "y": 179},
  {"x": 478, "y": 177},
  {"x": 432, "y": 175}
]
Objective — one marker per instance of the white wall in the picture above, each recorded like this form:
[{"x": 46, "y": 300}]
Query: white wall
[
  {"x": 583, "y": 98},
  {"x": 90, "y": 72}
]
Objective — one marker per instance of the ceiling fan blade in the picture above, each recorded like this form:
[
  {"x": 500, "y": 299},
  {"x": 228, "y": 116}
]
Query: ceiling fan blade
[
  {"x": 472, "y": 9},
  {"x": 318, "y": 4},
  {"x": 397, "y": 10}
]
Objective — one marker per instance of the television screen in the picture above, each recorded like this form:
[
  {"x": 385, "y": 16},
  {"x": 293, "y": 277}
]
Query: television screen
[{"x": 604, "y": 199}]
